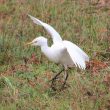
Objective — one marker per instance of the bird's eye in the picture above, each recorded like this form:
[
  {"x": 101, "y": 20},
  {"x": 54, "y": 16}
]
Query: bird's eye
[{"x": 35, "y": 42}]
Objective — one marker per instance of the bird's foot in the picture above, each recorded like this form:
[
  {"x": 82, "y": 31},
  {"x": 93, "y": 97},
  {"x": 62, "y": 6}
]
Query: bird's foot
[
  {"x": 58, "y": 85},
  {"x": 64, "y": 86}
]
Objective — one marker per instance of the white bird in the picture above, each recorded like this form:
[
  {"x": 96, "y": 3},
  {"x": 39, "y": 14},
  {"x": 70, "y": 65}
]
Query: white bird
[{"x": 61, "y": 52}]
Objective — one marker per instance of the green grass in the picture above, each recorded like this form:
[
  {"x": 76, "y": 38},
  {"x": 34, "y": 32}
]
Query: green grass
[{"x": 25, "y": 72}]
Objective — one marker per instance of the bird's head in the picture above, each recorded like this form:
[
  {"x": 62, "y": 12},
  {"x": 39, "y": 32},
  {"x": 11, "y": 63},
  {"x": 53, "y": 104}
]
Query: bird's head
[{"x": 39, "y": 41}]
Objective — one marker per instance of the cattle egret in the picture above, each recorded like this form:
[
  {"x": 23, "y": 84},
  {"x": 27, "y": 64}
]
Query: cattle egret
[{"x": 61, "y": 52}]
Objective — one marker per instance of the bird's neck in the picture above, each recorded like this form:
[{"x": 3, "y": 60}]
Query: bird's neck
[{"x": 45, "y": 49}]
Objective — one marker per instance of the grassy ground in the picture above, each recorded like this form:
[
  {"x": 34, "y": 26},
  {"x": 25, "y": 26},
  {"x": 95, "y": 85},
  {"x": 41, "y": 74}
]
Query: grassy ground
[{"x": 25, "y": 72}]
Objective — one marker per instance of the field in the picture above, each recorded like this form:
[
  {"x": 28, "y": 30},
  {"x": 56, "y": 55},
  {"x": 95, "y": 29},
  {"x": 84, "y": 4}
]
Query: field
[{"x": 25, "y": 72}]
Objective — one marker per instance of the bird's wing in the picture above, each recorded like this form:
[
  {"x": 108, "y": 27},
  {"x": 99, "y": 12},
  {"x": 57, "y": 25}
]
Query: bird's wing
[
  {"x": 54, "y": 34},
  {"x": 78, "y": 56}
]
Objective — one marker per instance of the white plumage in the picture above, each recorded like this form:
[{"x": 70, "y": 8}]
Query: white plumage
[
  {"x": 78, "y": 56},
  {"x": 54, "y": 34},
  {"x": 62, "y": 51}
]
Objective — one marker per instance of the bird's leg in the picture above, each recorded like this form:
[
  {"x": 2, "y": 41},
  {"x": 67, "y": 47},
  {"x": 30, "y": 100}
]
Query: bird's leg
[
  {"x": 54, "y": 78},
  {"x": 66, "y": 77}
]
